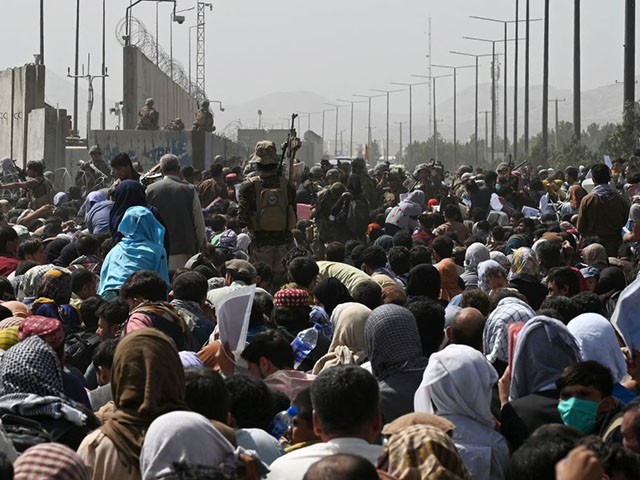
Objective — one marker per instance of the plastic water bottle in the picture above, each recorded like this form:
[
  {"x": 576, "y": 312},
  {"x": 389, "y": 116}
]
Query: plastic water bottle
[
  {"x": 304, "y": 342},
  {"x": 282, "y": 422}
]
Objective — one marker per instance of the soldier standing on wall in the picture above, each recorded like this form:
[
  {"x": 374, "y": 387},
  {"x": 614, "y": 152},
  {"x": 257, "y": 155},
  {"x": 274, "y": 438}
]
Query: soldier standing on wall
[
  {"x": 149, "y": 116},
  {"x": 176, "y": 124},
  {"x": 204, "y": 119},
  {"x": 267, "y": 205}
]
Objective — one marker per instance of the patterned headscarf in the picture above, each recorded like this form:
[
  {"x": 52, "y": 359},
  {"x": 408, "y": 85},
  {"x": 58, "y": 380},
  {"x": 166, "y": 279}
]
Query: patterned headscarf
[
  {"x": 486, "y": 267},
  {"x": 11, "y": 322},
  {"x": 495, "y": 339},
  {"x": 291, "y": 297},
  {"x": 31, "y": 366},
  {"x": 423, "y": 452},
  {"x": 31, "y": 281},
  {"x": 8, "y": 337},
  {"x": 544, "y": 349},
  {"x": 48, "y": 329},
  {"x": 53, "y": 461},
  {"x": 393, "y": 341},
  {"x": 525, "y": 265},
  {"x": 502, "y": 259},
  {"x": 56, "y": 285}
]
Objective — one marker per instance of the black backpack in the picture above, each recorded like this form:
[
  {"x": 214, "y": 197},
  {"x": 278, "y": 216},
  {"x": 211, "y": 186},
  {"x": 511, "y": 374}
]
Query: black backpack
[{"x": 79, "y": 348}]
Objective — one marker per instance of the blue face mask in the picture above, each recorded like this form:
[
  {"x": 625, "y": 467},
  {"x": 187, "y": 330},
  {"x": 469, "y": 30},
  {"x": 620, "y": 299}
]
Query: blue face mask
[
  {"x": 498, "y": 186},
  {"x": 579, "y": 414}
]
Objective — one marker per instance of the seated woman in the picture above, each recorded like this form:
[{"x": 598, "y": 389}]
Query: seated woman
[
  {"x": 140, "y": 249},
  {"x": 457, "y": 386},
  {"x": 54, "y": 295},
  {"x": 147, "y": 382}
]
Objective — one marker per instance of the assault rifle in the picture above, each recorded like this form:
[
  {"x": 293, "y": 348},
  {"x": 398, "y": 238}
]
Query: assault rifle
[{"x": 290, "y": 147}]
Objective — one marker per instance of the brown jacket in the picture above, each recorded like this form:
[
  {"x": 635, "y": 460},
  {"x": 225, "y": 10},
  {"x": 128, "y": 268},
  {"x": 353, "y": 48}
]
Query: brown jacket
[{"x": 604, "y": 218}]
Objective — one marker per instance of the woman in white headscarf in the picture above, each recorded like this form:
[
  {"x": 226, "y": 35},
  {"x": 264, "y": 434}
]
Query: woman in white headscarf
[
  {"x": 186, "y": 437},
  {"x": 491, "y": 276},
  {"x": 475, "y": 254},
  {"x": 348, "y": 345},
  {"x": 456, "y": 385},
  {"x": 597, "y": 341}
]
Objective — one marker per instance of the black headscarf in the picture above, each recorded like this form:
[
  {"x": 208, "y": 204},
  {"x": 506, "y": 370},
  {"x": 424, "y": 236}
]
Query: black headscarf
[
  {"x": 424, "y": 280},
  {"x": 129, "y": 193},
  {"x": 331, "y": 293},
  {"x": 611, "y": 278}
]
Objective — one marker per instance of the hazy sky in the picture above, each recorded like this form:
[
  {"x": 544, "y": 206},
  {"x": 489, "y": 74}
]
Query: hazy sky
[{"x": 332, "y": 47}]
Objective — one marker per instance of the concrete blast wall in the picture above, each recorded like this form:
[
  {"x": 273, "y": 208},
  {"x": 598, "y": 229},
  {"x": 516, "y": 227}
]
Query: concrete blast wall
[
  {"x": 142, "y": 79},
  {"x": 45, "y": 136},
  {"x": 21, "y": 90},
  {"x": 192, "y": 148}
]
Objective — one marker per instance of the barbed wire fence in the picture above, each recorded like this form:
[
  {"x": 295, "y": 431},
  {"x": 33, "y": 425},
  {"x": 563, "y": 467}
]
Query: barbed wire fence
[{"x": 145, "y": 42}]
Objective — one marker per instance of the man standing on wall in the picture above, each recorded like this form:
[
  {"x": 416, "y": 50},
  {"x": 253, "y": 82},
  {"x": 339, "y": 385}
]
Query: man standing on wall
[{"x": 267, "y": 205}]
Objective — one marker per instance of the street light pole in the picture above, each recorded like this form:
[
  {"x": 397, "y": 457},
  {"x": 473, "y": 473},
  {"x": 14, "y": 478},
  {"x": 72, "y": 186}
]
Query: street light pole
[
  {"x": 337, "y": 107},
  {"x": 387, "y": 92},
  {"x": 368, "y": 97},
  {"x": 486, "y": 132},
  {"x": 435, "y": 121},
  {"x": 410, "y": 86},
  {"x": 351, "y": 102},
  {"x": 400, "y": 124},
  {"x": 506, "y": 39},
  {"x": 556, "y": 100},
  {"x": 455, "y": 108}
]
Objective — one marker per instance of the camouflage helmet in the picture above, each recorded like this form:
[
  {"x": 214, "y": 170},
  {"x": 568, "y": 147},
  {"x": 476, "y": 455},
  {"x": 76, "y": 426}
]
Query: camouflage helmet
[
  {"x": 333, "y": 173},
  {"x": 420, "y": 167},
  {"x": 315, "y": 171},
  {"x": 266, "y": 153},
  {"x": 380, "y": 168}
]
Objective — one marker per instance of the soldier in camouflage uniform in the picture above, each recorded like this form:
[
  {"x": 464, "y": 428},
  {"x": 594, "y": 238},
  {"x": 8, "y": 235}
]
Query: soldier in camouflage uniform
[
  {"x": 368, "y": 184},
  {"x": 204, "y": 119},
  {"x": 267, "y": 205},
  {"x": 149, "y": 116},
  {"x": 425, "y": 181},
  {"x": 176, "y": 125}
]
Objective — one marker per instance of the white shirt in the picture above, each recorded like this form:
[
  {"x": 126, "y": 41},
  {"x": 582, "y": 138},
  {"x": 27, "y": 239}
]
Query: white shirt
[{"x": 294, "y": 465}]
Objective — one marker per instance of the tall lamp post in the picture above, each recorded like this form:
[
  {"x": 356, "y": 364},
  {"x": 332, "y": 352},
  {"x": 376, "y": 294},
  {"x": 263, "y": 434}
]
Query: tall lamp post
[
  {"x": 455, "y": 108},
  {"x": 190, "y": 28},
  {"x": 351, "y": 102},
  {"x": 387, "y": 92},
  {"x": 337, "y": 107},
  {"x": 177, "y": 19},
  {"x": 308, "y": 114},
  {"x": 368, "y": 97},
  {"x": 515, "y": 107},
  {"x": 410, "y": 87},
  {"x": 435, "y": 102},
  {"x": 476, "y": 56}
]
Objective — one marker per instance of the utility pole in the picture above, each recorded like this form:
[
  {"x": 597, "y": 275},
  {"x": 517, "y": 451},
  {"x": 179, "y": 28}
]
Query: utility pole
[
  {"x": 556, "y": 100},
  {"x": 515, "y": 87},
  {"x": 75, "y": 132},
  {"x": 545, "y": 86},
  {"x": 337, "y": 107},
  {"x": 387, "y": 92},
  {"x": 430, "y": 73},
  {"x": 435, "y": 100},
  {"x": 629, "y": 58},
  {"x": 455, "y": 107},
  {"x": 576, "y": 69},
  {"x": 368, "y": 97},
  {"x": 486, "y": 133},
  {"x": 351, "y": 102},
  {"x": 410, "y": 86},
  {"x": 400, "y": 124},
  {"x": 526, "y": 80},
  {"x": 506, "y": 75},
  {"x": 103, "y": 112},
  {"x": 42, "y": 32},
  {"x": 89, "y": 79},
  {"x": 308, "y": 114}
]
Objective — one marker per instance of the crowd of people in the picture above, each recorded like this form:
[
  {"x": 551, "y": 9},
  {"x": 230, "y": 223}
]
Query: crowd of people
[{"x": 405, "y": 325}]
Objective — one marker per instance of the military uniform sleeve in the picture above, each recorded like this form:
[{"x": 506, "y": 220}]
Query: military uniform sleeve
[{"x": 246, "y": 203}]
